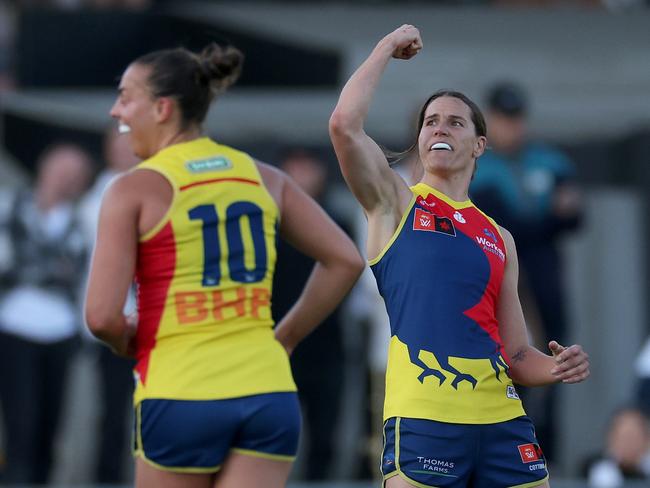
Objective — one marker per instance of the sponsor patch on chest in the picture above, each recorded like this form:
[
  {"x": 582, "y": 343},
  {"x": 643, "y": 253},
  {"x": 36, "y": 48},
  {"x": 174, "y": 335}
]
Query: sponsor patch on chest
[{"x": 428, "y": 222}]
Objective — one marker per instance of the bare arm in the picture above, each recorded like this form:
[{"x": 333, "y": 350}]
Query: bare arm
[
  {"x": 362, "y": 162},
  {"x": 529, "y": 366},
  {"x": 112, "y": 267},
  {"x": 306, "y": 226}
]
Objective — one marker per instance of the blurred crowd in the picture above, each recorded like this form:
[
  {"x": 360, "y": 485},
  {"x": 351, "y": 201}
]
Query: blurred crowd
[{"x": 48, "y": 231}]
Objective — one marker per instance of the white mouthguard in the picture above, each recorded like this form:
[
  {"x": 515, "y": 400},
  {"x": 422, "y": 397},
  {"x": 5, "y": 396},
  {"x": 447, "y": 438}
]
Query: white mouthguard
[{"x": 441, "y": 145}]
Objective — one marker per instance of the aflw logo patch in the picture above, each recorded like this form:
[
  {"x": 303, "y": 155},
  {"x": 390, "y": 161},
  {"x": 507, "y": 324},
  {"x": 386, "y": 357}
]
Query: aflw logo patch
[{"x": 427, "y": 221}]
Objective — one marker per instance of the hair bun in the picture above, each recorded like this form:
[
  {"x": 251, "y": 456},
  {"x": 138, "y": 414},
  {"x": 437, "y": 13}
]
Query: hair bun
[{"x": 221, "y": 66}]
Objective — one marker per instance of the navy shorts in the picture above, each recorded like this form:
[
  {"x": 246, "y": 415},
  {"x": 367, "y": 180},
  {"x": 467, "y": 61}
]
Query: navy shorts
[
  {"x": 437, "y": 454},
  {"x": 195, "y": 436}
]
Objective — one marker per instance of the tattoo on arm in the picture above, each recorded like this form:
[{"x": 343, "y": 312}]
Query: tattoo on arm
[{"x": 519, "y": 356}]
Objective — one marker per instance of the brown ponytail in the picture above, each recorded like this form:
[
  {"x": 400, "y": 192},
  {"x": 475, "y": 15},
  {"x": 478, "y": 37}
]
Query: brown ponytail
[
  {"x": 221, "y": 66},
  {"x": 192, "y": 79}
]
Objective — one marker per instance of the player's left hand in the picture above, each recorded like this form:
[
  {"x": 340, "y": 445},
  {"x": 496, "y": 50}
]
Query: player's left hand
[{"x": 572, "y": 363}]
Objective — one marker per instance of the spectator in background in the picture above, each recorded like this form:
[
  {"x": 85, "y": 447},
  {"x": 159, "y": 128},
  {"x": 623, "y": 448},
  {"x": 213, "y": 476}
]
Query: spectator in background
[
  {"x": 530, "y": 188},
  {"x": 627, "y": 451},
  {"x": 642, "y": 367},
  {"x": 7, "y": 34},
  {"x": 319, "y": 388},
  {"x": 115, "y": 372},
  {"x": 39, "y": 313}
]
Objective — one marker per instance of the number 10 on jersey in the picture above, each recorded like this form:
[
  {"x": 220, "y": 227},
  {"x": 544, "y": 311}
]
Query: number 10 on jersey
[{"x": 212, "y": 252}]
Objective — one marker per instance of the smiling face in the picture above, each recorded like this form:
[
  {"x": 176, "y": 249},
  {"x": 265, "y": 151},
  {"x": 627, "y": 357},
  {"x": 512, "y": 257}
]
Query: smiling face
[
  {"x": 448, "y": 142},
  {"x": 136, "y": 110}
]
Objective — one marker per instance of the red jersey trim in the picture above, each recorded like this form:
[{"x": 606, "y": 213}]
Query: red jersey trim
[
  {"x": 220, "y": 180},
  {"x": 156, "y": 258}
]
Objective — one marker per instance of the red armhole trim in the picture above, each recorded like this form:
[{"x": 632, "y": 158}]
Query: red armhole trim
[{"x": 155, "y": 271}]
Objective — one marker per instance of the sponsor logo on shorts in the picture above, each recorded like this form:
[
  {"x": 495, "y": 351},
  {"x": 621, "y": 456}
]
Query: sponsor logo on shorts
[
  {"x": 389, "y": 460},
  {"x": 205, "y": 165},
  {"x": 435, "y": 466},
  {"x": 530, "y": 453},
  {"x": 511, "y": 392}
]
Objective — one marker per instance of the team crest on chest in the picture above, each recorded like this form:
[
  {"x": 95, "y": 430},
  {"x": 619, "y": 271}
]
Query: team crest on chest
[{"x": 428, "y": 222}]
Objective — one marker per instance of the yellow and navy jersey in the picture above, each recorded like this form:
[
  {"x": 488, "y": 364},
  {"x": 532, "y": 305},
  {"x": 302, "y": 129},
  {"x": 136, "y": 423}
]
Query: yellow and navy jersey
[
  {"x": 440, "y": 277},
  {"x": 204, "y": 276}
]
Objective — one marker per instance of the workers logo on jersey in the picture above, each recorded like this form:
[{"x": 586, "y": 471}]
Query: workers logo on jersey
[{"x": 490, "y": 246}]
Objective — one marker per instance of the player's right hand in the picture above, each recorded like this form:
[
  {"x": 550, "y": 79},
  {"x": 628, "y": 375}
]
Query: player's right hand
[
  {"x": 406, "y": 41},
  {"x": 572, "y": 362}
]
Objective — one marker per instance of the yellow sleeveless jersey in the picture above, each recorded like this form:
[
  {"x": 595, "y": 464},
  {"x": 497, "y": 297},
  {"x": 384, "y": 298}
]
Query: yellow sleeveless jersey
[
  {"x": 440, "y": 277},
  {"x": 204, "y": 277}
]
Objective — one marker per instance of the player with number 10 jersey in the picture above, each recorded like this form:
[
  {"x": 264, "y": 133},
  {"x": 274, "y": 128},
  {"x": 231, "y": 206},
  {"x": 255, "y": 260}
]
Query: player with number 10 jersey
[
  {"x": 204, "y": 275},
  {"x": 196, "y": 225}
]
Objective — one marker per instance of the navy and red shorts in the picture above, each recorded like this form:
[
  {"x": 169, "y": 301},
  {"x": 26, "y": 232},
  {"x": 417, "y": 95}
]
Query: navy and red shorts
[{"x": 427, "y": 453}]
